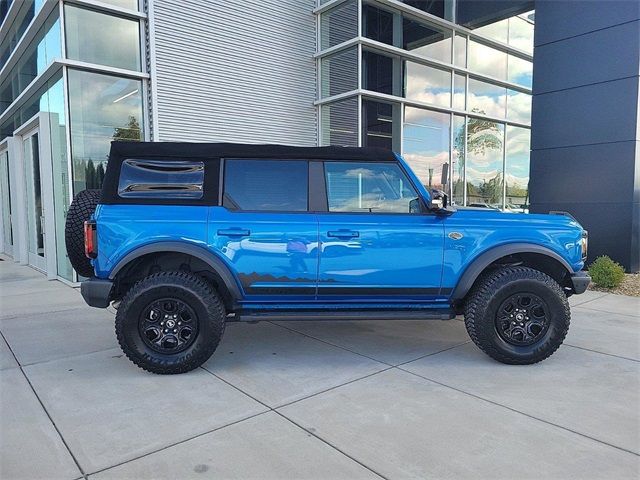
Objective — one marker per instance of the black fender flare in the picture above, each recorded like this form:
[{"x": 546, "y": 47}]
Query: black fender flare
[
  {"x": 211, "y": 259},
  {"x": 486, "y": 258}
]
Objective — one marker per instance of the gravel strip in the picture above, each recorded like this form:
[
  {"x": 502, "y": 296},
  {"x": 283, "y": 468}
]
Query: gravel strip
[{"x": 629, "y": 286}]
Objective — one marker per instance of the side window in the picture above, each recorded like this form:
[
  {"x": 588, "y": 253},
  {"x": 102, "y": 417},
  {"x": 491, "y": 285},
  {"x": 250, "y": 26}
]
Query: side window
[
  {"x": 266, "y": 185},
  {"x": 161, "y": 179},
  {"x": 369, "y": 187}
]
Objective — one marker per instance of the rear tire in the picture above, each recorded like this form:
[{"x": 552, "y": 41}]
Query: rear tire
[
  {"x": 170, "y": 322},
  {"x": 517, "y": 315},
  {"x": 80, "y": 210}
]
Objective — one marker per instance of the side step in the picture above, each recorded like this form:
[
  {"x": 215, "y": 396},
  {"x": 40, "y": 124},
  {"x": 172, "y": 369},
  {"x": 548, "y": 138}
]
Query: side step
[{"x": 426, "y": 314}]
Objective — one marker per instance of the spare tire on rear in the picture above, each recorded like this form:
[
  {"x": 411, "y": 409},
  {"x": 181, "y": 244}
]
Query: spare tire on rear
[{"x": 80, "y": 210}]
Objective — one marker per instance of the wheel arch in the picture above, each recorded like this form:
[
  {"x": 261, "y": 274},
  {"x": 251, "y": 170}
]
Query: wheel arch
[
  {"x": 217, "y": 271},
  {"x": 532, "y": 255}
]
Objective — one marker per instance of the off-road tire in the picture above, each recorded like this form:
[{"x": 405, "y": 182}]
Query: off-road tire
[
  {"x": 79, "y": 211},
  {"x": 188, "y": 288},
  {"x": 487, "y": 295}
]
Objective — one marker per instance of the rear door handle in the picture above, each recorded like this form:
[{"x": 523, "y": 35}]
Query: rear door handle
[
  {"x": 343, "y": 233},
  {"x": 234, "y": 232}
]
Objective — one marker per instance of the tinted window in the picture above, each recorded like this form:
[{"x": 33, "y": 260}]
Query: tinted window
[
  {"x": 369, "y": 187},
  {"x": 266, "y": 185},
  {"x": 161, "y": 179}
]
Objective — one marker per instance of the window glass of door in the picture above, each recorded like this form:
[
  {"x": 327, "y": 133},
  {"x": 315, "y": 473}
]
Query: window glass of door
[
  {"x": 266, "y": 185},
  {"x": 367, "y": 187}
]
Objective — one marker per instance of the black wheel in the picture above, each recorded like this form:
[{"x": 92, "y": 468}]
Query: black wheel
[
  {"x": 170, "y": 322},
  {"x": 517, "y": 315},
  {"x": 82, "y": 207}
]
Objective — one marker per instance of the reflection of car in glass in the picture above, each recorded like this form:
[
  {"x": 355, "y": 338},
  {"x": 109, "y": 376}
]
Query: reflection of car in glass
[{"x": 183, "y": 238}]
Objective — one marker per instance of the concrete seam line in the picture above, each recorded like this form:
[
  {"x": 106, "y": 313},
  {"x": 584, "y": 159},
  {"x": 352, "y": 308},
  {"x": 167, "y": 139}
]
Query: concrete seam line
[
  {"x": 179, "y": 442},
  {"x": 593, "y": 299},
  {"x": 519, "y": 412},
  {"x": 611, "y": 313},
  {"x": 271, "y": 409},
  {"x": 602, "y": 353},
  {"x": 42, "y": 362},
  {"x": 46, "y": 412}
]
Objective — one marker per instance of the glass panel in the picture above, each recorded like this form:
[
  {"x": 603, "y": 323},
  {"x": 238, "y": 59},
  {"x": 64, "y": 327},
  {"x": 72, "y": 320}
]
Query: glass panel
[
  {"x": 521, "y": 31},
  {"x": 266, "y": 185},
  {"x": 426, "y": 145},
  {"x": 377, "y": 72},
  {"x": 460, "y": 51},
  {"x": 96, "y": 37},
  {"x": 339, "y": 72},
  {"x": 487, "y": 61},
  {"x": 45, "y": 48},
  {"x": 518, "y": 106},
  {"x": 161, "y": 179},
  {"x": 52, "y": 104},
  {"x": 458, "y": 160},
  {"x": 35, "y": 214},
  {"x": 497, "y": 31},
  {"x": 459, "y": 91},
  {"x": 369, "y": 187},
  {"x": 439, "y": 8},
  {"x": 5, "y": 189},
  {"x": 339, "y": 24},
  {"x": 339, "y": 123},
  {"x": 428, "y": 84},
  {"x": 484, "y": 170},
  {"x": 427, "y": 40},
  {"x": 486, "y": 99},
  {"x": 517, "y": 168},
  {"x": 377, "y": 24},
  {"x": 520, "y": 71},
  {"x": 129, "y": 4},
  {"x": 18, "y": 26},
  {"x": 377, "y": 118},
  {"x": 103, "y": 108}
]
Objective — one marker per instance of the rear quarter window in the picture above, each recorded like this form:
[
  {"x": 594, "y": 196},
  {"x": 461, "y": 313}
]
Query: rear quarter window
[{"x": 161, "y": 179}]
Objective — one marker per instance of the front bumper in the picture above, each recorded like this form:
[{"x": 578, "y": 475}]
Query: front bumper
[
  {"x": 96, "y": 292},
  {"x": 580, "y": 281}
]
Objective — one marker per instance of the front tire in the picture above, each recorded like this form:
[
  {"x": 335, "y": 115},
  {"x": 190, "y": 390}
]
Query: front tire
[
  {"x": 170, "y": 322},
  {"x": 517, "y": 315}
]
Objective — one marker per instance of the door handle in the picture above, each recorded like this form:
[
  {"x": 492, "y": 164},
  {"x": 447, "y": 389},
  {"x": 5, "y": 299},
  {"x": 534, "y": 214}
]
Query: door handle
[
  {"x": 234, "y": 232},
  {"x": 343, "y": 233}
]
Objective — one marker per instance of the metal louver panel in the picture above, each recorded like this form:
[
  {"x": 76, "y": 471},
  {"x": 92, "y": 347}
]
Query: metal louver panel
[{"x": 236, "y": 71}]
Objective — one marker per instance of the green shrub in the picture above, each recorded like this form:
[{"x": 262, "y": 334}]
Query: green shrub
[{"x": 605, "y": 272}]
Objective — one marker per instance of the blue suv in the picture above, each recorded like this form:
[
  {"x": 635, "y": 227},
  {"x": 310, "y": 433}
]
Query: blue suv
[{"x": 184, "y": 238}]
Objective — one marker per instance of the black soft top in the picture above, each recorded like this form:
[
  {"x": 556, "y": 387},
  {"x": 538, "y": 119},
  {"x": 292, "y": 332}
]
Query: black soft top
[
  {"x": 243, "y": 150},
  {"x": 211, "y": 154}
]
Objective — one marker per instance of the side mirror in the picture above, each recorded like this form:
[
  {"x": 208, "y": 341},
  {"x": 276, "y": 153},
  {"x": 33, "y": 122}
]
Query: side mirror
[
  {"x": 439, "y": 200},
  {"x": 414, "y": 206}
]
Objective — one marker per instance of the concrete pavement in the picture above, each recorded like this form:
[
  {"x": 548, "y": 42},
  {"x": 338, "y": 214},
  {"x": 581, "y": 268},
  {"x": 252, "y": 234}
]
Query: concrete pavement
[{"x": 326, "y": 400}]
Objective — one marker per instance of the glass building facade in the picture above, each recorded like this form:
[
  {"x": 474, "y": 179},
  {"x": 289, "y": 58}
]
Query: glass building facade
[
  {"x": 73, "y": 79},
  {"x": 451, "y": 93}
]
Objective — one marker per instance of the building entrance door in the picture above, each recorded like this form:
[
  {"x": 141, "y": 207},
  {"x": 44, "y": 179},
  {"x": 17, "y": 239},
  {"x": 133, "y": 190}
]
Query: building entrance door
[
  {"x": 5, "y": 199},
  {"x": 35, "y": 204}
]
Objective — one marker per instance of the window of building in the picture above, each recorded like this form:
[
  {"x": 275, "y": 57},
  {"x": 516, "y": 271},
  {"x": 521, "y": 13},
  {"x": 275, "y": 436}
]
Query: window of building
[
  {"x": 484, "y": 169},
  {"x": 487, "y": 60},
  {"x": 460, "y": 50},
  {"x": 266, "y": 185},
  {"x": 102, "y": 108},
  {"x": 377, "y": 121},
  {"x": 96, "y": 37},
  {"x": 427, "y": 84},
  {"x": 378, "y": 73},
  {"x": 369, "y": 188},
  {"x": 520, "y": 71},
  {"x": 339, "y": 72},
  {"x": 128, "y": 4},
  {"x": 456, "y": 180},
  {"x": 339, "y": 123},
  {"x": 439, "y": 8},
  {"x": 426, "y": 40},
  {"x": 459, "y": 91},
  {"x": 427, "y": 136},
  {"x": 518, "y": 106},
  {"x": 377, "y": 24},
  {"x": 486, "y": 99},
  {"x": 516, "y": 173},
  {"x": 339, "y": 24}
]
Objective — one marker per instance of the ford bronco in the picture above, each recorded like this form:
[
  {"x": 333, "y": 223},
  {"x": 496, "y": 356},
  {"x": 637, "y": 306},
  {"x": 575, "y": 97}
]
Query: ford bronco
[{"x": 185, "y": 237}]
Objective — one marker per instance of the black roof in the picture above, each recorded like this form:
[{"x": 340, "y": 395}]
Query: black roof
[{"x": 243, "y": 150}]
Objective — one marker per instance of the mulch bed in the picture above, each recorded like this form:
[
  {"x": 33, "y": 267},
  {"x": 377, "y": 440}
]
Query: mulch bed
[{"x": 629, "y": 286}]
